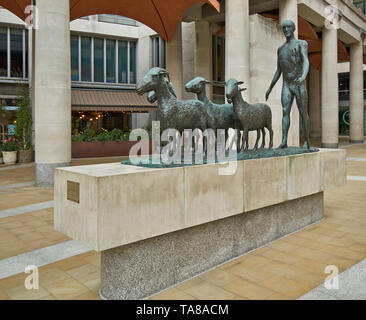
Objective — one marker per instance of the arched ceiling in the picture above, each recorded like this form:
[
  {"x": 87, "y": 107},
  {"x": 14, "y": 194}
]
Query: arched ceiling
[{"x": 160, "y": 15}]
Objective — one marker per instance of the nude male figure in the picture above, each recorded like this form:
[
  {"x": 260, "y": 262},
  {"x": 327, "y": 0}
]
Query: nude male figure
[{"x": 293, "y": 64}]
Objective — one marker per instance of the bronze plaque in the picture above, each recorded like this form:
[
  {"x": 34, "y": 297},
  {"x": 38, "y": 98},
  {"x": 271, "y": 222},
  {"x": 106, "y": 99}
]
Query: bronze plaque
[{"x": 73, "y": 191}]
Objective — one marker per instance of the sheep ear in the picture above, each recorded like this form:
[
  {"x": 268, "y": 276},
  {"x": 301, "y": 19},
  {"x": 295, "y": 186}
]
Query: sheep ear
[
  {"x": 240, "y": 83},
  {"x": 244, "y": 89},
  {"x": 208, "y": 82}
]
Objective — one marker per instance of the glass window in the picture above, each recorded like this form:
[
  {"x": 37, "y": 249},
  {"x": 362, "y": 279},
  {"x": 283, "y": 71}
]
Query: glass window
[
  {"x": 111, "y": 18},
  {"x": 361, "y": 5},
  {"x": 132, "y": 62},
  {"x": 158, "y": 52},
  {"x": 16, "y": 53},
  {"x": 155, "y": 41},
  {"x": 111, "y": 61},
  {"x": 98, "y": 60},
  {"x": 3, "y": 52},
  {"x": 122, "y": 61},
  {"x": 85, "y": 59},
  {"x": 74, "y": 58}
]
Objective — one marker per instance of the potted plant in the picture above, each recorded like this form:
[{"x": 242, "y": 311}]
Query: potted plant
[
  {"x": 23, "y": 129},
  {"x": 10, "y": 151}
]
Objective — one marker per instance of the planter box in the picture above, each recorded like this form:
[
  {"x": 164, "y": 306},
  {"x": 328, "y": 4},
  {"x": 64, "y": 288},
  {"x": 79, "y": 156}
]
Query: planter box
[
  {"x": 25, "y": 156},
  {"x": 102, "y": 149},
  {"x": 10, "y": 157}
]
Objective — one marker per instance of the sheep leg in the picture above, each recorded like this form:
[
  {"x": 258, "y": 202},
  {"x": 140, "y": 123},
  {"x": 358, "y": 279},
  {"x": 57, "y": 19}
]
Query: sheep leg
[
  {"x": 264, "y": 138},
  {"x": 257, "y": 142},
  {"x": 238, "y": 139},
  {"x": 246, "y": 139},
  {"x": 269, "y": 127}
]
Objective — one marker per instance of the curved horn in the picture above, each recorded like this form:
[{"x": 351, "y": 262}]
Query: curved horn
[{"x": 243, "y": 89}]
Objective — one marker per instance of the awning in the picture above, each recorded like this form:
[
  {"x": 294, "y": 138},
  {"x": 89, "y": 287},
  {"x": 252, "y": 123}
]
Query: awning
[{"x": 112, "y": 101}]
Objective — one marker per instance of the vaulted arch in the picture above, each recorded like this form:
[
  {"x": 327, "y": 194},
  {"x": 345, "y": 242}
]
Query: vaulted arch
[{"x": 160, "y": 15}]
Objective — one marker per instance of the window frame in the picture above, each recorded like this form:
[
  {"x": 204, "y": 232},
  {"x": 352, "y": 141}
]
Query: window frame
[
  {"x": 25, "y": 55},
  {"x": 105, "y": 82},
  {"x": 157, "y": 51}
]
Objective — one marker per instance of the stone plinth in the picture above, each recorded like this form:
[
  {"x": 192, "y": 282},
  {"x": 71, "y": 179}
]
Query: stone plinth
[{"x": 158, "y": 227}]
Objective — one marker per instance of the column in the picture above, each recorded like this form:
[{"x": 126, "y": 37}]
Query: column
[
  {"x": 330, "y": 104},
  {"x": 52, "y": 86},
  {"x": 237, "y": 40},
  {"x": 174, "y": 60},
  {"x": 288, "y": 11},
  {"x": 203, "y": 53},
  {"x": 356, "y": 93},
  {"x": 314, "y": 102}
]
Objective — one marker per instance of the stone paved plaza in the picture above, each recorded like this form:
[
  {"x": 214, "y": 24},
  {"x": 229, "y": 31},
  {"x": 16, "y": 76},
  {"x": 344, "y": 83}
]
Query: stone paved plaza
[{"x": 285, "y": 269}]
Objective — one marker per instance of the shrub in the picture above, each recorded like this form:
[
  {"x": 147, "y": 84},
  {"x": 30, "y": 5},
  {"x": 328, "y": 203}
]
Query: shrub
[
  {"x": 86, "y": 136},
  {"x": 116, "y": 135},
  {"x": 10, "y": 145},
  {"x": 104, "y": 136},
  {"x": 23, "y": 129}
]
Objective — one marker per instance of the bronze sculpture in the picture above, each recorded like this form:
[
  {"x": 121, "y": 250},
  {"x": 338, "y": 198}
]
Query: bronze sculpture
[
  {"x": 220, "y": 116},
  {"x": 293, "y": 64},
  {"x": 253, "y": 117},
  {"x": 172, "y": 112}
]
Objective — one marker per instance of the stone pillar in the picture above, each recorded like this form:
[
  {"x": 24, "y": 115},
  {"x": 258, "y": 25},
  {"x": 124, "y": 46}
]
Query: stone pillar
[
  {"x": 203, "y": 53},
  {"x": 52, "y": 84},
  {"x": 174, "y": 60},
  {"x": 314, "y": 102},
  {"x": 237, "y": 41},
  {"x": 329, "y": 94},
  {"x": 356, "y": 93},
  {"x": 288, "y": 11}
]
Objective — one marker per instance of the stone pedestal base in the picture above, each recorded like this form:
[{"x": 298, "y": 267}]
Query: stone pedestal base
[{"x": 144, "y": 268}]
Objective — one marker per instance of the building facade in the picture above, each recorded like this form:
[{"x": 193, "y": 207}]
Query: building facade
[
  {"x": 105, "y": 66},
  {"x": 238, "y": 42}
]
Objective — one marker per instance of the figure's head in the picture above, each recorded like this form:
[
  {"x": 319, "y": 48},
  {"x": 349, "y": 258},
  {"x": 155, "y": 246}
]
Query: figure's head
[
  {"x": 232, "y": 88},
  {"x": 152, "y": 80},
  {"x": 288, "y": 28},
  {"x": 196, "y": 85}
]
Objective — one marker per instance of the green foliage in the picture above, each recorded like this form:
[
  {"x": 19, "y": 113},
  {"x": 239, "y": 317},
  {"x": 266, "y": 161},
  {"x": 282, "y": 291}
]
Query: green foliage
[
  {"x": 85, "y": 136},
  {"x": 116, "y": 135},
  {"x": 101, "y": 135},
  {"x": 104, "y": 136},
  {"x": 23, "y": 130},
  {"x": 10, "y": 145}
]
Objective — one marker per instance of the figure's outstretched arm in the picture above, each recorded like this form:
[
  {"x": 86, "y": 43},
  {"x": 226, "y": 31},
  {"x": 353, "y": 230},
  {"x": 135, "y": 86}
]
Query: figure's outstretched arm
[
  {"x": 276, "y": 77},
  {"x": 305, "y": 59}
]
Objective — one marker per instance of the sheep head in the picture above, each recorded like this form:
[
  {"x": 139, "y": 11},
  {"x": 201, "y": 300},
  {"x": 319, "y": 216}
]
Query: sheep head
[
  {"x": 152, "y": 80},
  {"x": 197, "y": 85}
]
